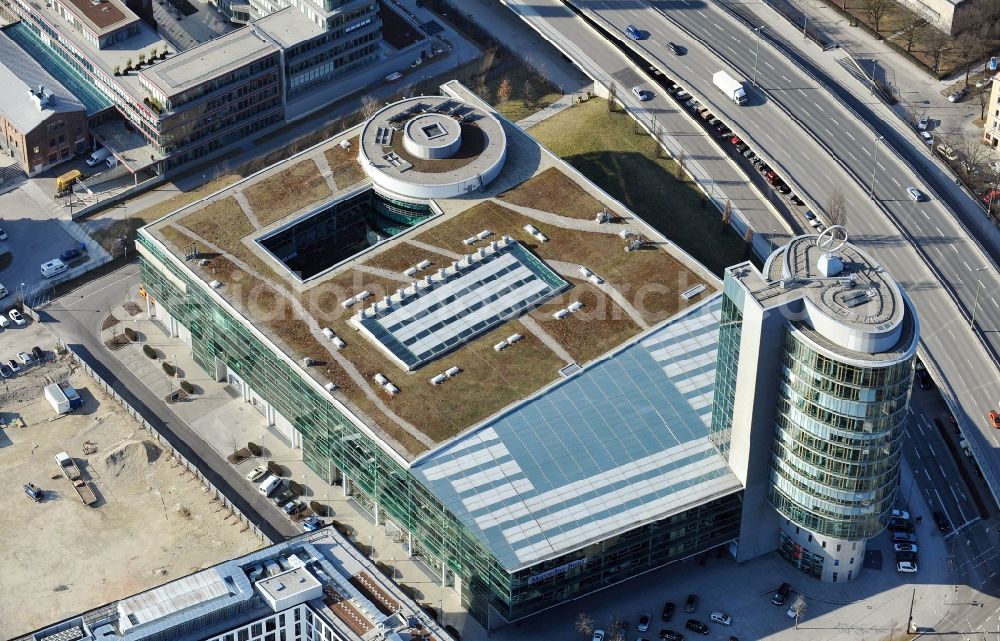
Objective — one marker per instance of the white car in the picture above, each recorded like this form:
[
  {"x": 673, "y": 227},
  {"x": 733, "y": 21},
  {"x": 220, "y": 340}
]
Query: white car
[
  {"x": 257, "y": 474},
  {"x": 644, "y": 623},
  {"x": 905, "y": 547},
  {"x": 922, "y": 123},
  {"x": 903, "y": 514},
  {"x": 3, "y": 234},
  {"x": 642, "y": 94},
  {"x": 927, "y": 138},
  {"x": 721, "y": 618},
  {"x": 3, "y": 321},
  {"x": 598, "y": 635},
  {"x": 915, "y": 194},
  {"x": 16, "y": 317},
  {"x": 906, "y": 566},
  {"x": 24, "y": 357}
]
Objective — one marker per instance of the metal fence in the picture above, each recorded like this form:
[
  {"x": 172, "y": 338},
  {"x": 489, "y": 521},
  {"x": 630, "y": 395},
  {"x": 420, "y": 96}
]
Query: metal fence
[{"x": 217, "y": 496}]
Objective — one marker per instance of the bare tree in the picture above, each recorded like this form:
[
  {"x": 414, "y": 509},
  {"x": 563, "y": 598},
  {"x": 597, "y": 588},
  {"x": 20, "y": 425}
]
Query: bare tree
[
  {"x": 727, "y": 215},
  {"x": 983, "y": 93},
  {"x": 679, "y": 166},
  {"x": 836, "y": 208},
  {"x": 876, "y": 10},
  {"x": 528, "y": 91},
  {"x": 657, "y": 139},
  {"x": 612, "y": 97},
  {"x": 938, "y": 44},
  {"x": 369, "y": 106},
  {"x": 912, "y": 29},
  {"x": 584, "y": 623},
  {"x": 503, "y": 93},
  {"x": 968, "y": 50},
  {"x": 748, "y": 240},
  {"x": 971, "y": 154}
]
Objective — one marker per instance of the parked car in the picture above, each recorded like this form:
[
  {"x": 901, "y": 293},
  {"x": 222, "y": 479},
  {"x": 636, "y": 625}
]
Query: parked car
[
  {"x": 900, "y": 525},
  {"x": 736, "y": 140},
  {"x": 955, "y": 96},
  {"x": 982, "y": 82},
  {"x": 676, "y": 49},
  {"x": 14, "y": 367},
  {"x": 16, "y": 318},
  {"x": 942, "y": 521},
  {"x": 293, "y": 507},
  {"x": 922, "y": 123},
  {"x": 257, "y": 474},
  {"x": 782, "y": 188},
  {"x": 904, "y": 537},
  {"x": 5, "y": 371},
  {"x": 990, "y": 196},
  {"x": 34, "y": 492},
  {"x": 683, "y": 95},
  {"x": 312, "y": 523},
  {"x": 741, "y": 147},
  {"x": 670, "y": 635},
  {"x": 994, "y": 419},
  {"x": 4, "y": 321},
  {"x": 24, "y": 357},
  {"x": 781, "y": 594},
  {"x": 927, "y": 138},
  {"x": 3, "y": 234},
  {"x": 721, "y": 618},
  {"x": 283, "y": 497},
  {"x": 643, "y": 622},
  {"x": 749, "y": 154},
  {"x": 695, "y": 625},
  {"x": 668, "y": 611},
  {"x": 38, "y": 353},
  {"x": 771, "y": 177},
  {"x": 905, "y": 556},
  {"x": 796, "y": 200},
  {"x": 641, "y": 94},
  {"x": 947, "y": 151},
  {"x": 598, "y": 634},
  {"x": 691, "y": 604},
  {"x": 900, "y": 514},
  {"x": 915, "y": 194},
  {"x": 906, "y": 566},
  {"x": 71, "y": 254}
]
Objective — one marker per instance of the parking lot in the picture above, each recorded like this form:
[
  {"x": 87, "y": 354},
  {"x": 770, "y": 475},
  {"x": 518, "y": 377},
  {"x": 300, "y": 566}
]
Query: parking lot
[{"x": 151, "y": 522}]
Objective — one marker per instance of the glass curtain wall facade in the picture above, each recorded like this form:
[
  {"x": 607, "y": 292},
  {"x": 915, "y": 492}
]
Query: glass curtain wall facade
[
  {"x": 332, "y": 446},
  {"x": 727, "y": 366},
  {"x": 837, "y": 441}
]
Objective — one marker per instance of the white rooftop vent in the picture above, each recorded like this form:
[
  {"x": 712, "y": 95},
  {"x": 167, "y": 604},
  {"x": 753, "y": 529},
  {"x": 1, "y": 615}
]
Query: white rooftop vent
[
  {"x": 437, "y": 380},
  {"x": 471, "y": 240},
  {"x": 339, "y": 342},
  {"x": 541, "y": 237},
  {"x": 500, "y": 346},
  {"x": 507, "y": 238},
  {"x": 452, "y": 371},
  {"x": 513, "y": 338},
  {"x": 215, "y": 284},
  {"x": 411, "y": 271},
  {"x": 347, "y": 303},
  {"x": 424, "y": 264},
  {"x": 380, "y": 379},
  {"x": 575, "y": 306},
  {"x": 483, "y": 235},
  {"x": 494, "y": 245},
  {"x": 829, "y": 264},
  {"x": 328, "y": 333},
  {"x": 594, "y": 278},
  {"x": 360, "y": 296},
  {"x": 562, "y": 313},
  {"x": 331, "y": 387},
  {"x": 392, "y": 389},
  {"x": 586, "y": 272},
  {"x": 345, "y": 144},
  {"x": 481, "y": 252},
  {"x": 531, "y": 229}
]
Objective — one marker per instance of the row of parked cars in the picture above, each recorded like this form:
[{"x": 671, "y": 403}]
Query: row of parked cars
[
  {"x": 274, "y": 487},
  {"x": 692, "y": 625},
  {"x": 13, "y": 366},
  {"x": 904, "y": 540}
]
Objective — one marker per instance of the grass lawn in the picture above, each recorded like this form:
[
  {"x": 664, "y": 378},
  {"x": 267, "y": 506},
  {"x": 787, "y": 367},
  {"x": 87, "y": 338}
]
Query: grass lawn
[
  {"x": 186, "y": 197},
  {"x": 222, "y": 222},
  {"x": 529, "y": 92},
  {"x": 290, "y": 190},
  {"x": 344, "y": 167},
  {"x": 604, "y": 147},
  {"x": 554, "y": 191},
  {"x": 404, "y": 255}
]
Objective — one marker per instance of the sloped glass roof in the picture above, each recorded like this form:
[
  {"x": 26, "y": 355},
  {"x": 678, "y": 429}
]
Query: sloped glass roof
[{"x": 623, "y": 442}]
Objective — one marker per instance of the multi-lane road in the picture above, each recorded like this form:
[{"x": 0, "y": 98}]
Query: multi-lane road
[{"x": 820, "y": 147}]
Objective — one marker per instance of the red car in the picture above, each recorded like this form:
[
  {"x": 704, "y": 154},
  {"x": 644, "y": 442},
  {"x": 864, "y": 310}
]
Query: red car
[
  {"x": 771, "y": 178},
  {"x": 991, "y": 195},
  {"x": 994, "y": 419},
  {"x": 736, "y": 140}
]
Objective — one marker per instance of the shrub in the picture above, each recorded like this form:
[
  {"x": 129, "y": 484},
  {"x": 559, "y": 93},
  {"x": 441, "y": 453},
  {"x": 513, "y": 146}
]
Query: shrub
[
  {"x": 274, "y": 468},
  {"x": 131, "y": 334},
  {"x": 149, "y": 351},
  {"x": 254, "y": 449},
  {"x": 187, "y": 387},
  {"x": 168, "y": 368},
  {"x": 318, "y": 508},
  {"x": 295, "y": 488}
]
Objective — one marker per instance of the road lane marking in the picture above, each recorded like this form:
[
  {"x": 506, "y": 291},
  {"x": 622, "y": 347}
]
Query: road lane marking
[
  {"x": 867, "y": 153},
  {"x": 850, "y": 136},
  {"x": 921, "y": 429},
  {"x": 938, "y": 230},
  {"x": 835, "y": 123},
  {"x": 717, "y": 26},
  {"x": 959, "y": 504},
  {"x": 940, "y": 502},
  {"x": 786, "y": 78},
  {"x": 893, "y": 179},
  {"x": 931, "y": 448},
  {"x": 926, "y": 215},
  {"x": 769, "y": 65},
  {"x": 734, "y": 38},
  {"x": 818, "y": 107},
  {"x": 966, "y": 265},
  {"x": 994, "y": 302}
]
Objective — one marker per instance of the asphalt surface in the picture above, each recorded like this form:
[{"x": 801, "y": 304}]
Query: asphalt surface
[
  {"x": 830, "y": 150},
  {"x": 76, "y": 318}
]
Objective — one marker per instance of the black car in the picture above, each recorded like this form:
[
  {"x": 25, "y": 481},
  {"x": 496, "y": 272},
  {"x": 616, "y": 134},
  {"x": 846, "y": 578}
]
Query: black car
[
  {"x": 942, "y": 521},
  {"x": 695, "y": 625},
  {"x": 37, "y": 353},
  {"x": 782, "y": 188},
  {"x": 781, "y": 594},
  {"x": 906, "y": 556},
  {"x": 796, "y": 200},
  {"x": 691, "y": 604},
  {"x": 668, "y": 611},
  {"x": 70, "y": 254},
  {"x": 284, "y": 497},
  {"x": 900, "y": 525},
  {"x": 676, "y": 49},
  {"x": 925, "y": 380},
  {"x": 670, "y": 635}
]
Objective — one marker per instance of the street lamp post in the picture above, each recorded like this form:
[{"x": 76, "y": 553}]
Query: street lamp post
[
  {"x": 975, "y": 306},
  {"x": 756, "y": 51},
  {"x": 871, "y": 192},
  {"x": 909, "y": 493}
]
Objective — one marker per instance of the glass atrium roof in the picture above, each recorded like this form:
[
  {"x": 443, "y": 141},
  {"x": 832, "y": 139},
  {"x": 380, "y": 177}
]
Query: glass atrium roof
[{"x": 623, "y": 442}]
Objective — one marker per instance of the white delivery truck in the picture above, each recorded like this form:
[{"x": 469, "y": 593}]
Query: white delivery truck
[{"x": 730, "y": 86}]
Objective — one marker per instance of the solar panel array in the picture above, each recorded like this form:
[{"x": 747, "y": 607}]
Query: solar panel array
[{"x": 446, "y": 310}]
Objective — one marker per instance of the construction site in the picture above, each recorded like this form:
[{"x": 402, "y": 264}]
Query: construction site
[{"x": 135, "y": 519}]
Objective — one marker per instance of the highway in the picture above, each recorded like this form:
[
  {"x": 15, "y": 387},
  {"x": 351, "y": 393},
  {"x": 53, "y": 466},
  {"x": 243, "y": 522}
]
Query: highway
[{"x": 818, "y": 146}]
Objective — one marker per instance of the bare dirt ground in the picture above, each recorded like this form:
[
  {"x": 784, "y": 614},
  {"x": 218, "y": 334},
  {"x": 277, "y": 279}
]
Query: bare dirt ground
[{"x": 152, "y": 523}]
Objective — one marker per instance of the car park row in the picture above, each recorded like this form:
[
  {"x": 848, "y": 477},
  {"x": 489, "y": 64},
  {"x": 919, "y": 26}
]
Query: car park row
[{"x": 284, "y": 497}]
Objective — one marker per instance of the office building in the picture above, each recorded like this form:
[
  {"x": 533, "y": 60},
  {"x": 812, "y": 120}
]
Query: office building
[
  {"x": 314, "y": 587},
  {"x": 815, "y": 370},
  {"x": 503, "y": 365}
]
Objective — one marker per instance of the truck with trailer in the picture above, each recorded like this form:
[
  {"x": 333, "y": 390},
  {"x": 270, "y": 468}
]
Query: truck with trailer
[
  {"x": 72, "y": 472},
  {"x": 730, "y": 86},
  {"x": 62, "y": 397}
]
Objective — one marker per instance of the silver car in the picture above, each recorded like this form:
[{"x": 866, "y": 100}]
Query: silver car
[{"x": 915, "y": 194}]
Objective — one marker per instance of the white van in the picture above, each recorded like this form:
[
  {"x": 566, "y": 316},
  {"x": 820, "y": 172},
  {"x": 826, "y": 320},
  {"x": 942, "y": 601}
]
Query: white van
[
  {"x": 112, "y": 162},
  {"x": 53, "y": 267},
  {"x": 98, "y": 156},
  {"x": 270, "y": 485}
]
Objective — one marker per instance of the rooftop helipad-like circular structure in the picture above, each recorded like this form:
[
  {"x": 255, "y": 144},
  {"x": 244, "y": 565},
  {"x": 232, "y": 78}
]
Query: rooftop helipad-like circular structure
[{"x": 431, "y": 147}]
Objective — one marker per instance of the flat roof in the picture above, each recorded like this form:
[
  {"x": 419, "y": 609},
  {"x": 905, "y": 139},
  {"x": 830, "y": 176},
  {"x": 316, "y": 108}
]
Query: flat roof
[
  {"x": 289, "y": 583},
  {"x": 208, "y": 60},
  {"x": 101, "y": 16},
  {"x": 20, "y": 76},
  {"x": 542, "y": 204},
  {"x": 622, "y": 443},
  {"x": 289, "y": 26},
  {"x": 158, "y": 603}
]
